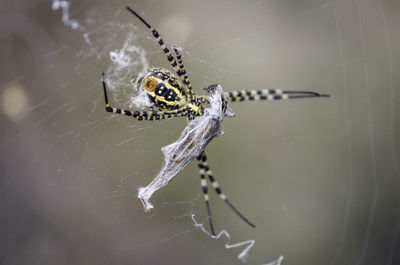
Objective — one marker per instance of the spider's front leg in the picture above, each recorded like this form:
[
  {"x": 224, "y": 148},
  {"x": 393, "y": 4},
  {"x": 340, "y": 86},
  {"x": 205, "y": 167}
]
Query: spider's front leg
[
  {"x": 143, "y": 115},
  {"x": 269, "y": 94},
  {"x": 205, "y": 171}
]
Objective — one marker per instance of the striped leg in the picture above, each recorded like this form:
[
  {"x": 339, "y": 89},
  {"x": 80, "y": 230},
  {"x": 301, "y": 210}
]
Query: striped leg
[
  {"x": 205, "y": 189},
  {"x": 205, "y": 170},
  {"x": 160, "y": 41},
  {"x": 269, "y": 94},
  {"x": 185, "y": 80},
  {"x": 143, "y": 115}
]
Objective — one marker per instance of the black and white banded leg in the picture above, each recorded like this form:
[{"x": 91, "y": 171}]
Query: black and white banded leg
[
  {"x": 269, "y": 94},
  {"x": 206, "y": 172},
  {"x": 164, "y": 48},
  {"x": 204, "y": 188},
  {"x": 185, "y": 79}
]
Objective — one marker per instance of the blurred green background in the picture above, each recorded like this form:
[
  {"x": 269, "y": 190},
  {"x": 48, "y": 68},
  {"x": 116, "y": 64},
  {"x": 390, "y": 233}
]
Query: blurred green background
[{"x": 320, "y": 178}]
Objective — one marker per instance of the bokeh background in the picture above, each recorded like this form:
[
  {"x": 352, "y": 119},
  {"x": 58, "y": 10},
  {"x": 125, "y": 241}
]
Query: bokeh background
[{"x": 319, "y": 177}]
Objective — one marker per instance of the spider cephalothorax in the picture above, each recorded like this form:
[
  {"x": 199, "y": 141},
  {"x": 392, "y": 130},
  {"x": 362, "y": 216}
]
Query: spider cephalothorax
[{"x": 173, "y": 96}]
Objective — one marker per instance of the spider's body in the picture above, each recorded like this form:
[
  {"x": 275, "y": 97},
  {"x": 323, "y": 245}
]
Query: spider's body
[
  {"x": 174, "y": 97},
  {"x": 164, "y": 90}
]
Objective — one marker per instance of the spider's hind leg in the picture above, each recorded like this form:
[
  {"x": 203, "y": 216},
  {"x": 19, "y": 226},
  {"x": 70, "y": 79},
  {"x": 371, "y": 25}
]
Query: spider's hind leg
[
  {"x": 184, "y": 78},
  {"x": 164, "y": 48}
]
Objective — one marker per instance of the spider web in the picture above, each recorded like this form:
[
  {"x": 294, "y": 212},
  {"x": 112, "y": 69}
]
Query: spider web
[{"x": 320, "y": 178}]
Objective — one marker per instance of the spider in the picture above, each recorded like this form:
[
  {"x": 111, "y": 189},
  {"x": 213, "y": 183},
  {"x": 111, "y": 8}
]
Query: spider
[{"x": 174, "y": 97}]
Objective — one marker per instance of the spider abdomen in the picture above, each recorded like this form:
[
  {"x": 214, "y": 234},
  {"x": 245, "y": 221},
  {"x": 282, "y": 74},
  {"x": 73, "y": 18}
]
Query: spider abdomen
[{"x": 164, "y": 89}]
